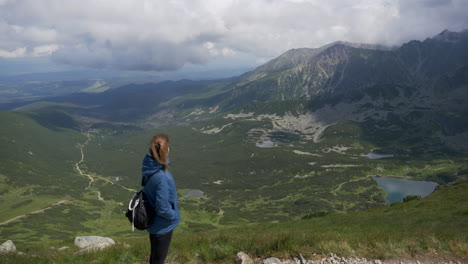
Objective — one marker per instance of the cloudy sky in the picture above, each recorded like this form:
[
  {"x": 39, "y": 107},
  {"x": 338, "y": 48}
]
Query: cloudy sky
[{"x": 165, "y": 35}]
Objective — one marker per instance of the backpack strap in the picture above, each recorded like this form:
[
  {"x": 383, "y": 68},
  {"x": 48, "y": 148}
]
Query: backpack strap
[{"x": 144, "y": 182}]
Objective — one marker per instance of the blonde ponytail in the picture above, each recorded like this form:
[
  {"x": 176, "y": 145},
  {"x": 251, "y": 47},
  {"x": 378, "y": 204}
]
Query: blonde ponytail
[{"x": 159, "y": 149}]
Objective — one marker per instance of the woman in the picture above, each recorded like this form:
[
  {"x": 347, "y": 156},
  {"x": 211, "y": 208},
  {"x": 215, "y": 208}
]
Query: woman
[{"x": 160, "y": 191}]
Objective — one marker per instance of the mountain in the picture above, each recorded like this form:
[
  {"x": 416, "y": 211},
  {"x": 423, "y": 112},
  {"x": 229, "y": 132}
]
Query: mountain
[
  {"x": 340, "y": 68},
  {"x": 415, "y": 70},
  {"x": 292, "y": 138}
]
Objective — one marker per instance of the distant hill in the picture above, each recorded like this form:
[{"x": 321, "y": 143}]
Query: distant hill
[
  {"x": 291, "y": 138},
  {"x": 340, "y": 70}
]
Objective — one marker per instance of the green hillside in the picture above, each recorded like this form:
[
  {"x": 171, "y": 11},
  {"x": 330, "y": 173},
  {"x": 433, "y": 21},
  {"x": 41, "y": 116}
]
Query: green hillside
[
  {"x": 434, "y": 228},
  {"x": 70, "y": 165},
  {"x": 42, "y": 194},
  {"x": 242, "y": 182}
]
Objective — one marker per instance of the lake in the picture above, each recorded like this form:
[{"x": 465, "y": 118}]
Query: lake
[
  {"x": 266, "y": 144},
  {"x": 378, "y": 156},
  {"x": 396, "y": 189},
  {"x": 198, "y": 193}
]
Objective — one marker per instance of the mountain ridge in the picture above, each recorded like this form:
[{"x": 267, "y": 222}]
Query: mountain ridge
[
  {"x": 324, "y": 67},
  {"x": 298, "y": 74}
]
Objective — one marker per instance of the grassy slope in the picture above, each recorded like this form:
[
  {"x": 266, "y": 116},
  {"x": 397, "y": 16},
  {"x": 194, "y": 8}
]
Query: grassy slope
[
  {"x": 258, "y": 184},
  {"x": 435, "y": 227},
  {"x": 255, "y": 180},
  {"x": 37, "y": 170}
]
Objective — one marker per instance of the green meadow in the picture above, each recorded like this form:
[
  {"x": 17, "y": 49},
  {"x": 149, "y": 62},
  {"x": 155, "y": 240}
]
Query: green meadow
[
  {"x": 434, "y": 228},
  {"x": 44, "y": 197}
]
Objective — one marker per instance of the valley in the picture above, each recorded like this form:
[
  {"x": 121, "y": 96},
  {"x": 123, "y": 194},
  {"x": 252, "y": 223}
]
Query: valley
[
  {"x": 299, "y": 137},
  {"x": 248, "y": 184}
]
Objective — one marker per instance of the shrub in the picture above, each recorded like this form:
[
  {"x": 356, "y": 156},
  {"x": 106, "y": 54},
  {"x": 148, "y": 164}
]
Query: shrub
[{"x": 411, "y": 197}]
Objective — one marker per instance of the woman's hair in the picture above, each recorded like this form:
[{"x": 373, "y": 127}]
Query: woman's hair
[{"x": 159, "y": 149}]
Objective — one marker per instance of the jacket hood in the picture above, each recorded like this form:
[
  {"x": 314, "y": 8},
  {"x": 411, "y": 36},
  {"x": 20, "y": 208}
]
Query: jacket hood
[{"x": 150, "y": 166}]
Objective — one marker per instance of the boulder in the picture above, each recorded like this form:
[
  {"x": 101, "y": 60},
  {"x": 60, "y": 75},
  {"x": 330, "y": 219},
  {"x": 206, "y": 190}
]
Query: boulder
[
  {"x": 93, "y": 243},
  {"x": 271, "y": 261},
  {"x": 7, "y": 247},
  {"x": 63, "y": 248},
  {"x": 243, "y": 258}
]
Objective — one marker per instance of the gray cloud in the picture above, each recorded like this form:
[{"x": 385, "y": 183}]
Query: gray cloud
[
  {"x": 157, "y": 55},
  {"x": 165, "y": 35}
]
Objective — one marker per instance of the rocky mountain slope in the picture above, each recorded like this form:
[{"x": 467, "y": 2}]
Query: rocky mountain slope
[
  {"x": 429, "y": 75},
  {"x": 340, "y": 68}
]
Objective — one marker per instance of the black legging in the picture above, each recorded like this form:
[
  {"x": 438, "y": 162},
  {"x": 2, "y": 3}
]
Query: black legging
[{"x": 159, "y": 247}]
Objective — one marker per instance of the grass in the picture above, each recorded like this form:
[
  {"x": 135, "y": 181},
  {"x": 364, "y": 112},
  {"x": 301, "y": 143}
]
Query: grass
[
  {"x": 435, "y": 227},
  {"x": 258, "y": 184}
]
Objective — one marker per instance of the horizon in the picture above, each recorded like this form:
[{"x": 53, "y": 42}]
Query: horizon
[
  {"x": 210, "y": 40},
  {"x": 35, "y": 67}
]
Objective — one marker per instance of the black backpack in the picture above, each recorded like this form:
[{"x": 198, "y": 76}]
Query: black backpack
[{"x": 140, "y": 213}]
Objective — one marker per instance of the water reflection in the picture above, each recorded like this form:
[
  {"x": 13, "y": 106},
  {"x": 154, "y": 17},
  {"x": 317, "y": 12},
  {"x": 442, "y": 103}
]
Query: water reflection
[{"x": 397, "y": 189}]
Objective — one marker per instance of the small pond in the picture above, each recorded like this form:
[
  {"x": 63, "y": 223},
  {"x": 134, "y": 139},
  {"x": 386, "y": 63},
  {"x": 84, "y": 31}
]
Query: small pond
[
  {"x": 397, "y": 189},
  {"x": 266, "y": 144},
  {"x": 377, "y": 156},
  {"x": 197, "y": 193}
]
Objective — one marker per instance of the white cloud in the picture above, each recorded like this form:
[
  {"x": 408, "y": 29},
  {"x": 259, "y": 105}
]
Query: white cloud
[
  {"x": 17, "y": 53},
  {"x": 165, "y": 35},
  {"x": 44, "y": 50}
]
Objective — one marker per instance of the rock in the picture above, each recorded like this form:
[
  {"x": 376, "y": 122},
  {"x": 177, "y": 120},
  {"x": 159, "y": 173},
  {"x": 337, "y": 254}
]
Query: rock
[
  {"x": 7, "y": 247},
  {"x": 271, "y": 261},
  {"x": 63, "y": 248},
  {"x": 86, "y": 241},
  {"x": 93, "y": 243},
  {"x": 243, "y": 258},
  {"x": 289, "y": 262},
  {"x": 95, "y": 247},
  {"x": 19, "y": 253},
  {"x": 303, "y": 261},
  {"x": 377, "y": 261}
]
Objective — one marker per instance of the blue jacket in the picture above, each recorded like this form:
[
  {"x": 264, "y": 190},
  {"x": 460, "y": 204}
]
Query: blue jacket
[{"x": 160, "y": 190}]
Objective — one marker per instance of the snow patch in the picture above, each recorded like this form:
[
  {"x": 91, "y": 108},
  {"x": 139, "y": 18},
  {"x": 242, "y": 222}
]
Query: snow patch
[
  {"x": 306, "y": 153},
  {"x": 240, "y": 115},
  {"x": 337, "y": 149},
  {"x": 214, "y": 109},
  {"x": 214, "y": 130},
  {"x": 197, "y": 111}
]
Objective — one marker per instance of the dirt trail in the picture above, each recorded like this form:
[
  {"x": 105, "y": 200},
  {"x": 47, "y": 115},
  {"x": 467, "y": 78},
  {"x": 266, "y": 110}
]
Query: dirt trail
[
  {"x": 33, "y": 212},
  {"x": 77, "y": 165},
  {"x": 97, "y": 177}
]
